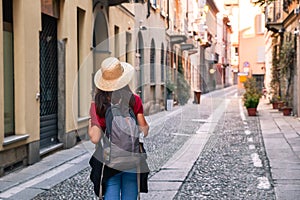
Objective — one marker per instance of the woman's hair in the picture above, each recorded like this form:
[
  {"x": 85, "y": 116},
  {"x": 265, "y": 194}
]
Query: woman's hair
[{"x": 103, "y": 99}]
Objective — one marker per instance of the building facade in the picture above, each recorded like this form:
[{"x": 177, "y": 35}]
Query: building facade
[
  {"x": 251, "y": 44},
  {"x": 282, "y": 38},
  {"x": 43, "y": 44},
  {"x": 52, "y": 49}
]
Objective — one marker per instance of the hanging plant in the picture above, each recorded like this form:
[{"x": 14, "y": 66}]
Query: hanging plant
[{"x": 275, "y": 81}]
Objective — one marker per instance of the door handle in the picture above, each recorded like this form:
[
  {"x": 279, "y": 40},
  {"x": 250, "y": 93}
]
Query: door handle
[{"x": 37, "y": 96}]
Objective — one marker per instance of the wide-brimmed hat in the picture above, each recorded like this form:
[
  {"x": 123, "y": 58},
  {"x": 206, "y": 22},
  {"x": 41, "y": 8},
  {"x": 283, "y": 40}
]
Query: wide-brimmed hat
[{"x": 113, "y": 74}]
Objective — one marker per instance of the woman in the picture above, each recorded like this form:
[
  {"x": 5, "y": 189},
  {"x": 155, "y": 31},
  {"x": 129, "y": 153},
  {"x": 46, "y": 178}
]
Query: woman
[{"x": 112, "y": 88}]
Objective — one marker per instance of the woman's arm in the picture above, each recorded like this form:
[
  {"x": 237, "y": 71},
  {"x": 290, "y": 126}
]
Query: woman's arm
[
  {"x": 94, "y": 130},
  {"x": 143, "y": 125}
]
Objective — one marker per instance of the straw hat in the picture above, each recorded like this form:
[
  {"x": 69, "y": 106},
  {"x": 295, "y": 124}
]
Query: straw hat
[{"x": 113, "y": 74}]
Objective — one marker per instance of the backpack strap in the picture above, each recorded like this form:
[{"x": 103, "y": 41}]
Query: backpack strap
[
  {"x": 101, "y": 180},
  {"x": 108, "y": 121},
  {"x": 139, "y": 182}
]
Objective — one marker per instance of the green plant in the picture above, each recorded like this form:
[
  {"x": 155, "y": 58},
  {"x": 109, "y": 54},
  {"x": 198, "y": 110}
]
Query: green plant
[
  {"x": 252, "y": 101},
  {"x": 275, "y": 98},
  {"x": 171, "y": 87},
  {"x": 183, "y": 89},
  {"x": 252, "y": 93},
  {"x": 287, "y": 65}
]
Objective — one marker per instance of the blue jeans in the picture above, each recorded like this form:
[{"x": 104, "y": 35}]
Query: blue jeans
[{"x": 122, "y": 186}]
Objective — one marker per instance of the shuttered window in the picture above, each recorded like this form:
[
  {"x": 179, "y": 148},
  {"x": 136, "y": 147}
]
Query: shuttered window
[
  {"x": 152, "y": 62},
  {"x": 260, "y": 54}
]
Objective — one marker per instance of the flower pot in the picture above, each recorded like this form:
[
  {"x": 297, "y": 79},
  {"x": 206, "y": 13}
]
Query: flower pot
[
  {"x": 251, "y": 111},
  {"x": 197, "y": 97},
  {"x": 275, "y": 105},
  {"x": 286, "y": 111},
  {"x": 280, "y": 105}
]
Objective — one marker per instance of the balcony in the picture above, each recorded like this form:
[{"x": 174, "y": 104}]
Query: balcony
[{"x": 116, "y": 2}]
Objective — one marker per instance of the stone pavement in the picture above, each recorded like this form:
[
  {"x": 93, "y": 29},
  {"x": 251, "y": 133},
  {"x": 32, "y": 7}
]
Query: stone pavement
[
  {"x": 26, "y": 183},
  {"x": 282, "y": 142}
]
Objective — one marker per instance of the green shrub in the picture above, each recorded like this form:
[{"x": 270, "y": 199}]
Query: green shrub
[{"x": 252, "y": 93}]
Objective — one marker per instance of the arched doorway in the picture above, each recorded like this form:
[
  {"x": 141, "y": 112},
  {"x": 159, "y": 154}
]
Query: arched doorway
[
  {"x": 152, "y": 72},
  {"x": 100, "y": 36}
]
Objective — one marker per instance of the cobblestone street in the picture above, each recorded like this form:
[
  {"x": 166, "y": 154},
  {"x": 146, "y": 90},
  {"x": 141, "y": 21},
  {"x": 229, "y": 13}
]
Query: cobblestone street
[
  {"x": 232, "y": 165},
  {"x": 230, "y": 161},
  {"x": 226, "y": 168}
]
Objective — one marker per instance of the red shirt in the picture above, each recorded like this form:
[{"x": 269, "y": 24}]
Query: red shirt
[{"x": 100, "y": 121}]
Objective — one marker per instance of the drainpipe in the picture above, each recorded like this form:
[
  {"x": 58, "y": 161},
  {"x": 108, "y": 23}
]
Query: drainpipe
[{"x": 296, "y": 79}]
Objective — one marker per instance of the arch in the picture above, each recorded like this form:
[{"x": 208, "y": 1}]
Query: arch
[
  {"x": 152, "y": 72},
  {"x": 100, "y": 31}
]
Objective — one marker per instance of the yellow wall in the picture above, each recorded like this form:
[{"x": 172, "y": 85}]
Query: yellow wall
[
  {"x": 26, "y": 70},
  {"x": 27, "y": 26}
]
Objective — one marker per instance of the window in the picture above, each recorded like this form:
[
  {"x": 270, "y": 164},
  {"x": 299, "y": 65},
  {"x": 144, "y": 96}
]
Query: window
[
  {"x": 154, "y": 3},
  {"x": 152, "y": 62},
  {"x": 236, "y": 51},
  {"x": 259, "y": 24},
  {"x": 117, "y": 42},
  {"x": 260, "y": 54},
  {"x": 8, "y": 63},
  {"x": 128, "y": 43},
  {"x": 84, "y": 69},
  {"x": 162, "y": 58}
]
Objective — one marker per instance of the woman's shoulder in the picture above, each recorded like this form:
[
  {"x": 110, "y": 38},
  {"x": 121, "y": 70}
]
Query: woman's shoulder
[{"x": 137, "y": 97}]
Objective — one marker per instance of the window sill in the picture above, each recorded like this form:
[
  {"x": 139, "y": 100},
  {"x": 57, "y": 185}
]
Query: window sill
[{"x": 14, "y": 138}]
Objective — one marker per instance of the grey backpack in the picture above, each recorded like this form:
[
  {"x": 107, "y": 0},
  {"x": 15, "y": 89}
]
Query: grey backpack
[{"x": 121, "y": 139}]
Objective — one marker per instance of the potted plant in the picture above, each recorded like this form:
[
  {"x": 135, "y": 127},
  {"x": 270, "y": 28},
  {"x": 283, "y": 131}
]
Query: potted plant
[
  {"x": 274, "y": 101},
  {"x": 251, "y": 102},
  {"x": 287, "y": 108},
  {"x": 251, "y": 96}
]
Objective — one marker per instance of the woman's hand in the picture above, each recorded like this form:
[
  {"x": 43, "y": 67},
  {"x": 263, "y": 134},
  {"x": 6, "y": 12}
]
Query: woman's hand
[{"x": 143, "y": 125}]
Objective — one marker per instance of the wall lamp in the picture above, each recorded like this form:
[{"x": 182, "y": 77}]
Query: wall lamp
[{"x": 142, "y": 27}]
